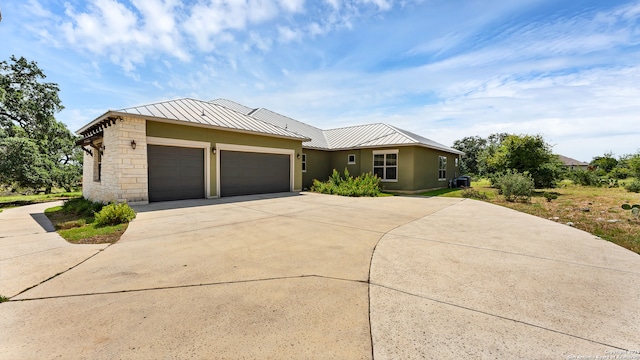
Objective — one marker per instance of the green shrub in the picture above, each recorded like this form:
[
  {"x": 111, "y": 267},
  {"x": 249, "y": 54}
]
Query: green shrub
[
  {"x": 515, "y": 186},
  {"x": 114, "y": 214},
  {"x": 81, "y": 206},
  {"x": 633, "y": 186},
  {"x": 549, "y": 196},
  {"x": 585, "y": 178},
  {"x": 363, "y": 185}
]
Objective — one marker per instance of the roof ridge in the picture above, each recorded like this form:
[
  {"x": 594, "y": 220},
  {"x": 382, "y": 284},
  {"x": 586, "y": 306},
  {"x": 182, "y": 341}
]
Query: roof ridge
[
  {"x": 353, "y": 126},
  {"x": 402, "y": 132},
  {"x": 290, "y": 118},
  {"x": 160, "y": 102}
]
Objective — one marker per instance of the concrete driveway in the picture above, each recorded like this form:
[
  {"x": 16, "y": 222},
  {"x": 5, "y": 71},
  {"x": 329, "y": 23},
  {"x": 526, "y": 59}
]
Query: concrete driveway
[{"x": 323, "y": 277}]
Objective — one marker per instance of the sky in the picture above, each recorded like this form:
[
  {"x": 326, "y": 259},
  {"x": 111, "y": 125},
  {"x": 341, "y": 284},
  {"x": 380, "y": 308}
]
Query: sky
[{"x": 445, "y": 69}]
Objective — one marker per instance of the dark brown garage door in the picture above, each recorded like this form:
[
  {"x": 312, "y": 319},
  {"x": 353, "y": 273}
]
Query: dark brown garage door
[
  {"x": 246, "y": 173},
  {"x": 175, "y": 173}
]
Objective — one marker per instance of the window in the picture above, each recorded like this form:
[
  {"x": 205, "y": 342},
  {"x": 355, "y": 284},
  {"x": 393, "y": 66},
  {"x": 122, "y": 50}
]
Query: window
[
  {"x": 456, "y": 162},
  {"x": 442, "y": 167},
  {"x": 351, "y": 159},
  {"x": 304, "y": 162},
  {"x": 97, "y": 162},
  {"x": 385, "y": 165}
]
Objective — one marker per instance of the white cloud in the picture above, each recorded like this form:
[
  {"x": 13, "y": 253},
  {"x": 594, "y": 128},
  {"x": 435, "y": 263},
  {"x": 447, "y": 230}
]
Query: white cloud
[
  {"x": 286, "y": 34},
  {"x": 113, "y": 29},
  {"x": 292, "y": 5}
]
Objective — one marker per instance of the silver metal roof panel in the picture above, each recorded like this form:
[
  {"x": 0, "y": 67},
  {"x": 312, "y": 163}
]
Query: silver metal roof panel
[{"x": 207, "y": 113}]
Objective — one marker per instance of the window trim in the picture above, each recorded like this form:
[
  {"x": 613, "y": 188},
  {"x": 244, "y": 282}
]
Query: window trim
[
  {"x": 303, "y": 165},
  {"x": 440, "y": 170},
  {"x": 384, "y": 167},
  {"x": 349, "y": 161},
  {"x": 97, "y": 162}
]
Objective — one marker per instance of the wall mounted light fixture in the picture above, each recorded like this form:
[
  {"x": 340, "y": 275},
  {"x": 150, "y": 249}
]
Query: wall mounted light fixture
[
  {"x": 213, "y": 149},
  {"x": 133, "y": 144},
  {"x": 298, "y": 155}
]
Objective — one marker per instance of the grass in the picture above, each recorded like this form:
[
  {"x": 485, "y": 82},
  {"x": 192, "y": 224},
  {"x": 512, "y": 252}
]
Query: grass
[
  {"x": 81, "y": 229},
  {"x": 596, "y": 210},
  {"x": 12, "y": 200}
]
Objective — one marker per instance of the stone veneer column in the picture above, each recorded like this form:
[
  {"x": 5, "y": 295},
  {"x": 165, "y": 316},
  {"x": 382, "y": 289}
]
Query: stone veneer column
[{"x": 124, "y": 170}]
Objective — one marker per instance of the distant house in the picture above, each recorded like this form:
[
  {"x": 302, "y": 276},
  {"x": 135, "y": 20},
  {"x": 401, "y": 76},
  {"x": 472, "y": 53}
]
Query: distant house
[
  {"x": 188, "y": 148},
  {"x": 573, "y": 164}
]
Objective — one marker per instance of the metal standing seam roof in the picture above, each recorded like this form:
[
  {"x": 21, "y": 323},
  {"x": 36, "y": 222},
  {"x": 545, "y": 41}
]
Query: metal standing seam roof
[
  {"x": 377, "y": 135},
  {"x": 369, "y": 135},
  {"x": 207, "y": 113},
  {"x": 233, "y": 106}
]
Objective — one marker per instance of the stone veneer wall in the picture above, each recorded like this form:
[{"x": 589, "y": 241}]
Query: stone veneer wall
[{"x": 124, "y": 170}]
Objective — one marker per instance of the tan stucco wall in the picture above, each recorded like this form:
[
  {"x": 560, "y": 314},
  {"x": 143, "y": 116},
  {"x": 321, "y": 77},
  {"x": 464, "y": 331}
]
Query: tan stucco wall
[
  {"x": 124, "y": 170},
  {"x": 184, "y": 132}
]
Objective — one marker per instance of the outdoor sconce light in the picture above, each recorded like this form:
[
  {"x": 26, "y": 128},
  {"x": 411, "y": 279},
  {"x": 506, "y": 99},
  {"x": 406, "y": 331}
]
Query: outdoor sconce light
[
  {"x": 213, "y": 149},
  {"x": 298, "y": 155},
  {"x": 133, "y": 144}
]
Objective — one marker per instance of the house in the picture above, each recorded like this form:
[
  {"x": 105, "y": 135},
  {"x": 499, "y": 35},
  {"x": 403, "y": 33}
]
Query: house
[
  {"x": 572, "y": 164},
  {"x": 187, "y": 148}
]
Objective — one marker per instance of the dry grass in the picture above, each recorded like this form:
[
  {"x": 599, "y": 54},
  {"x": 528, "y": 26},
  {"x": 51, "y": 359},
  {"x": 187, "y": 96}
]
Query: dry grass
[{"x": 595, "y": 210}]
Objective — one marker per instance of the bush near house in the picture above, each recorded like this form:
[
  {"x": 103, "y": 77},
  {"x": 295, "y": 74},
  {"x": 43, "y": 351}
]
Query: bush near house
[
  {"x": 83, "y": 221},
  {"x": 515, "y": 186},
  {"x": 364, "y": 185},
  {"x": 114, "y": 214}
]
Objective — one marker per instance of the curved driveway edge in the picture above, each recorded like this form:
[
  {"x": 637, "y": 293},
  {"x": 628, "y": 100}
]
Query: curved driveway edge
[
  {"x": 30, "y": 250},
  {"x": 327, "y": 277},
  {"x": 477, "y": 280}
]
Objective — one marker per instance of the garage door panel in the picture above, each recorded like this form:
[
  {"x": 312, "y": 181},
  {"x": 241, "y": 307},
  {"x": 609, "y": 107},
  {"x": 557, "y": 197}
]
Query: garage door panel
[
  {"x": 175, "y": 173},
  {"x": 244, "y": 173}
]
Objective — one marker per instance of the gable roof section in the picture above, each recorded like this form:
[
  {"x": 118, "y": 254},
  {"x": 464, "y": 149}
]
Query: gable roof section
[
  {"x": 360, "y": 136},
  {"x": 317, "y": 136},
  {"x": 233, "y": 106},
  {"x": 378, "y": 135},
  {"x": 203, "y": 113},
  {"x": 567, "y": 161}
]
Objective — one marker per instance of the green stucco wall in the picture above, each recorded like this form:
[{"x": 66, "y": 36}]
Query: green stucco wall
[
  {"x": 426, "y": 169},
  {"x": 417, "y": 167},
  {"x": 318, "y": 167},
  {"x": 185, "y": 132}
]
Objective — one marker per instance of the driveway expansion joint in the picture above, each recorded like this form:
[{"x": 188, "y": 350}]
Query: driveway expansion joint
[
  {"x": 179, "y": 286},
  {"x": 60, "y": 273},
  {"x": 496, "y": 316}
]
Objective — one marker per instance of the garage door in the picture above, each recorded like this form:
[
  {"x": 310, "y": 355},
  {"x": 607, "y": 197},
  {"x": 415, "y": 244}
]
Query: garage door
[
  {"x": 246, "y": 173},
  {"x": 175, "y": 173}
]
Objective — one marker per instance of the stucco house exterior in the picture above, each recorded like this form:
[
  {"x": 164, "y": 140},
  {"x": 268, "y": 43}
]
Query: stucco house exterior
[{"x": 187, "y": 148}]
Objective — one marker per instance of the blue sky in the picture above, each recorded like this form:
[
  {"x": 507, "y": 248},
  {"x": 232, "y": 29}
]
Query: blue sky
[{"x": 446, "y": 69}]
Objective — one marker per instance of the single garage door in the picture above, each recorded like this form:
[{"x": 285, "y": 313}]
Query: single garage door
[
  {"x": 246, "y": 173},
  {"x": 175, "y": 173}
]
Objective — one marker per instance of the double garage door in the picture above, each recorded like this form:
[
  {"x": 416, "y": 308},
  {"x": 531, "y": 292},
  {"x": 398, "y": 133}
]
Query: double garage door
[{"x": 178, "y": 173}]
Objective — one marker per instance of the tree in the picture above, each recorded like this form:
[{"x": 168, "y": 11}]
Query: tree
[
  {"x": 472, "y": 146},
  {"x": 605, "y": 164},
  {"x": 524, "y": 153},
  {"x": 39, "y": 149}
]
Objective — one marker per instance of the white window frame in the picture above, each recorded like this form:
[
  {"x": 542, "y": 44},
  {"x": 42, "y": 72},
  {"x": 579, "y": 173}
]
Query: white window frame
[
  {"x": 349, "y": 161},
  {"x": 304, "y": 162},
  {"x": 97, "y": 162},
  {"x": 385, "y": 166},
  {"x": 440, "y": 170}
]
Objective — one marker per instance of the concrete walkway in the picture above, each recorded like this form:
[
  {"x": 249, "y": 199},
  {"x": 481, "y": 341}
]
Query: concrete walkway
[{"x": 324, "y": 277}]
